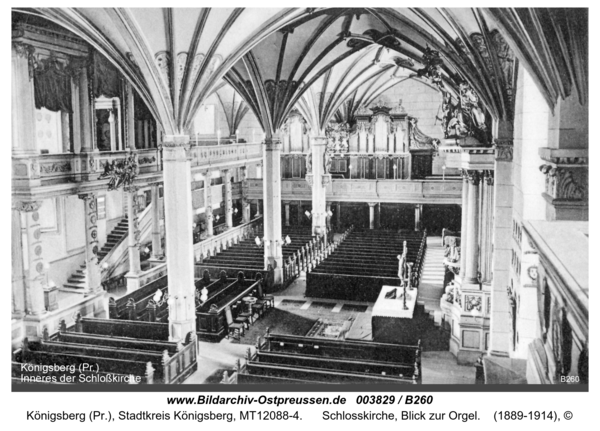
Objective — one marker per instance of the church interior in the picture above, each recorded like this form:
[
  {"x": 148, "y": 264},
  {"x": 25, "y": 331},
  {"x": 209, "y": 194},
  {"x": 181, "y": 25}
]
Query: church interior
[{"x": 300, "y": 195}]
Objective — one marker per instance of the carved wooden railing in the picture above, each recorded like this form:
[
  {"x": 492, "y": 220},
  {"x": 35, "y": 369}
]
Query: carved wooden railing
[
  {"x": 217, "y": 243},
  {"x": 178, "y": 367}
]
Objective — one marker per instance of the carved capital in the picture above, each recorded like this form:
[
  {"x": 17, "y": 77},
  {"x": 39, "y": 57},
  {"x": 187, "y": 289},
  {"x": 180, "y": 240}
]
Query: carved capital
[
  {"x": 504, "y": 150},
  {"x": 174, "y": 141},
  {"x": 488, "y": 176},
  {"x": 26, "y": 207},
  {"x": 474, "y": 177},
  {"x": 24, "y": 50},
  {"x": 309, "y": 179},
  {"x": 565, "y": 183}
]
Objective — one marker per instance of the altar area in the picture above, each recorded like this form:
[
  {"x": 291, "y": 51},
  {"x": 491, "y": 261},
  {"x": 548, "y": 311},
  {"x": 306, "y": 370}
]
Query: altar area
[{"x": 393, "y": 318}]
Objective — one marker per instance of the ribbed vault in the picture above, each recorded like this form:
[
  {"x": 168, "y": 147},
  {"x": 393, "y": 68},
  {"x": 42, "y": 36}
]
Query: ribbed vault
[{"x": 175, "y": 58}]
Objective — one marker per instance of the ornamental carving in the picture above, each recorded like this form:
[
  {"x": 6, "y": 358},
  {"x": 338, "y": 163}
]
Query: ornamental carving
[
  {"x": 27, "y": 206},
  {"x": 472, "y": 303},
  {"x": 26, "y": 51},
  {"x": 462, "y": 115},
  {"x": 146, "y": 160},
  {"x": 121, "y": 173},
  {"x": 162, "y": 60},
  {"x": 504, "y": 150},
  {"x": 567, "y": 184},
  {"x": 55, "y": 167},
  {"x": 473, "y": 176}
]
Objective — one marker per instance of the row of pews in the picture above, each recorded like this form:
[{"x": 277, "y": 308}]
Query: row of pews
[
  {"x": 231, "y": 307},
  {"x": 248, "y": 256},
  {"x": 295, "y": 359},
  {"x": 106, "y": 351},
  {"x": 364, "y": 262}
]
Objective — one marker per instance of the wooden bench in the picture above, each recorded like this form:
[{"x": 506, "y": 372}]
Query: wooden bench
[{"x": 125, "y": 328}]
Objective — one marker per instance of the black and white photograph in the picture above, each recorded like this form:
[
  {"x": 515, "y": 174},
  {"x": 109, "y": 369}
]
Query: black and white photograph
[{"x": 294, "y": 197}]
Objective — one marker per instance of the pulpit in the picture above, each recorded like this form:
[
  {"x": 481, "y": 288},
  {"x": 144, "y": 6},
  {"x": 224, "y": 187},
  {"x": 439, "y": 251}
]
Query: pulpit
[{"x": 392, "y": 321}]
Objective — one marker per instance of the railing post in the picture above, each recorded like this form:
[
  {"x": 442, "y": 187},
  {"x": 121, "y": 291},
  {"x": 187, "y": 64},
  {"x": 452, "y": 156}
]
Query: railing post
[{"x": 149, "y": 375}]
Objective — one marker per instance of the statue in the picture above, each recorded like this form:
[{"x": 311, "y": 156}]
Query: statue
[
  {"x": 309, "y": 162},
  {"x": 327, "y": 160},
  {"x": 402, "y": 267}
]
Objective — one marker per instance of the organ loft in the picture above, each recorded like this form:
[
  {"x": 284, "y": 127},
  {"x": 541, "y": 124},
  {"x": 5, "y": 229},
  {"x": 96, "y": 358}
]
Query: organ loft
[{"x": 366, "y": 195}]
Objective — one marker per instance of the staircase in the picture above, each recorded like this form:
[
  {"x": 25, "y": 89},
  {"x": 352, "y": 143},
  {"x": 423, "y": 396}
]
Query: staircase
[
  {"x": 77, "y": 282},
  {"x": 113, "y": 238},
  {"x": 432, "y": 280}
]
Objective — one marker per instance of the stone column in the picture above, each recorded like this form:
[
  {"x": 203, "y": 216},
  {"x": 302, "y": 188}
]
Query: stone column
[
  {"x": 287, "y": 212},
  {"x": 378, "y": 216},
  {"x": 463, "y": 224},
  {"x": 500, "y": 326},
  {"x": 92, "y": 270},
  {"x": 146, "y": 133},
  {"x": 418, "y": 214},
  {"x": 328, "y": 209},
  {"x": 485, "y": 241},
  {"x": 34, "y": 285},
  {"x": 180, "y": 250},
  {"x": 272, "y": 210},
  {"x": 300, "y": 213},
  {"x": 18, "y": 276},
  {"x": 246, "y": 210},
  {"x": 133, "y": 239},
  {"x": 372, "y": 215},
  {"x": 86, "y": 117},
  {"x": 338, "y": 214},
  {"x": 129, "y": 116},
  {"x": 228, "y": 200},
  {"x": 23, "y": 106},
  {"x": 208, "y": 211},
  {"x": 157, "y": 251},
  {"x": 257, "y": 207},
  {"x": 318, "y": 179},
  {"x": 472, "y": 254}
]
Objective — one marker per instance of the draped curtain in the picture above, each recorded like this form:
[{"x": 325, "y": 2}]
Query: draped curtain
[
  {"x": 52, "y": 86},
  {"x": 106, "y": 77}
]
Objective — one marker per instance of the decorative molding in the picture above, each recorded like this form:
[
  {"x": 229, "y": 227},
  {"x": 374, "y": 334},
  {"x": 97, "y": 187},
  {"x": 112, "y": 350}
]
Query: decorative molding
[
  {"x": 26, "y": 207},
  {"x": 50, "y": 168}
]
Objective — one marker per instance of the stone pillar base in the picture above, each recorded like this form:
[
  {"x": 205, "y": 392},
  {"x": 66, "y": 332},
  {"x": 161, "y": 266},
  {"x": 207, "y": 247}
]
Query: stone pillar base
[
  {"x": 133, "y": 281},
  {"x": 51, "y": 298},
  {"x": 180, "y": 328}
]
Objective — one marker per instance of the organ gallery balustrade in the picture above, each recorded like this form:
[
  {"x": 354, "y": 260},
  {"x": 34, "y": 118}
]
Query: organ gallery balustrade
[{"x": 448, "y": 191}]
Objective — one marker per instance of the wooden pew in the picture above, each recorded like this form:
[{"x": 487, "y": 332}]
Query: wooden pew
[{"x": 126, "y": 328}]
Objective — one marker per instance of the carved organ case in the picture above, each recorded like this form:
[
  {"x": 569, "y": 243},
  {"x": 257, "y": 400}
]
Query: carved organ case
[{"x": 295, "y": 144}]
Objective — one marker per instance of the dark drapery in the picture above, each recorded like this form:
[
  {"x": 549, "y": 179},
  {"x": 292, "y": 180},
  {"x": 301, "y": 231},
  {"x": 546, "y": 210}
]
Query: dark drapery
[
  {"x": 52, "y": 86},
  {"x": 106, "y": 78}
]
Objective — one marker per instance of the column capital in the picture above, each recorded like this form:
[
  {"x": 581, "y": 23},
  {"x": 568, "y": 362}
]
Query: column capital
[
  {"x": 27, "y": 206},
  {"x": 504, "y": 150},
  {"x": 488, "y": 176},
  {"x": 474, "y": 177},
  {"x": 272, "y": 144},
  {"x": 371, "y": 204},
  {"x": 172, "y": 141},
  {"x": 87, "y": 195}
]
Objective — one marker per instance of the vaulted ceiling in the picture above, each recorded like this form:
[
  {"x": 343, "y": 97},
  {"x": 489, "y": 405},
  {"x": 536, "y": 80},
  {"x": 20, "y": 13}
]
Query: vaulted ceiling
[{"x": 176, "y": 57}]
